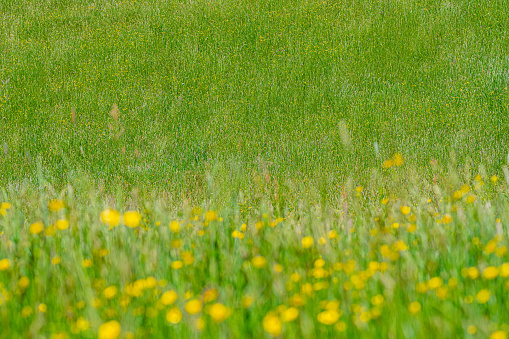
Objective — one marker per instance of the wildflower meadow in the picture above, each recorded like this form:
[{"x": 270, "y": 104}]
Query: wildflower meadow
[{"x": 255, "y": 169}]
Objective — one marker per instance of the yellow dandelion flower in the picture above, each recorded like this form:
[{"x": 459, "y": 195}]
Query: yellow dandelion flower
[
  {"x": 36, "y": 228},
  {"x": 23, "y": 282},
  {"x": 504, "y": 270},
  {"x": 210, "y": 295},
  {"x": 193, "y": 306},
  {"x": 219, "y": 312},
  {"x": 5, "y": 205},
  {"x": 109, "y": 330},
  {"x": 435, "y": 282},
  {"x": 490, "y": 272},
  {"x": 56, "y": 205},
  {"x": 168, "y": 297},
  {"x": 328, "y": 317},
  {"x": 289, "y": 314},
  {"x": 246, "y": 301},
  {"x": 498, "y": 335},
  {"x": 414, "y": 307},
  {"x": 272, "y": 324},
  {"x": 385, "y": 201},
  {"x": 307, "y": 242},
  {"x": 405, "y": 210},
  {"x": 483, "y": 296},
  {"x": 82, "y": 324},
  {"x": 259, "y": 261},
  {"x": 110, "y": 292},
  {"x": 187, "y": 257},
  {"x": 211, "y": 216},
  {"x": 332, "y": 234},
  {"x": 132, "y": 219},
  {"x": 174, "y": 226},
  {"x": 86, "y": 263},
  {"x": 110, "y": 217},
  {"x": 473, "y": 273},
  {"x": 340, "y": 326},
  {"x": 56, "y": 260},
  {"x": 62, "y": 224},
  {"x": 471, "y": 329},
  {"x": 42, "y": 308},
  {"x": 398, "y": 159},
  {"x": 388, "y": 163},
  {"x": 176, "y": 265},
  {"x": 5, "y": 264},
  {"x": 446, "y": 219},
  {"x": 470, "y": 199}
]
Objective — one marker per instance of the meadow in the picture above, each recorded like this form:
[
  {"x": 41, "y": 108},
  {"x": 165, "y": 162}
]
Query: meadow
[{"x": 254, "y": 169}]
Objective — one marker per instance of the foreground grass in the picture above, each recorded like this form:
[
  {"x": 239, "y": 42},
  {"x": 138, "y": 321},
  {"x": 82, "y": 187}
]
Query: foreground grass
[{"x": 417, "y": 259}]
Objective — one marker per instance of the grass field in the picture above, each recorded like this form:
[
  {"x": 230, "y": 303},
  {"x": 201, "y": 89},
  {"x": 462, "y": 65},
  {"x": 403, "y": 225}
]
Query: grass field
[{"x": 258, "y": 168}]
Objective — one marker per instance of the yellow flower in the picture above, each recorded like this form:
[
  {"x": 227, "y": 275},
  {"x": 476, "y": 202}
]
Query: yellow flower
[
  {"x": 56, "y": 260},
  {"x": 82, "y": 324},
  {"x": 359, "y": 189},
  {"x": 388, "y": 163},
  {"x": 259, "y": 261},
  {"x": 110, "y": 217},
  {"x": 174, "y": 226},
  {"x": 405, "y": 210},
  {"x": 272, "y": 324},
  {"x": 132, "y": 219},
  {"x": 193, "y": 306},
  {"x": 62, "y": 224},
  {"x": 4, "y": 264},
  {"x": 23, "y": 282},
  {"x": 219, "y": 312},
  {"x": 498, "y": 335},
  {"x": 483, "y": 296},
  {"x": 36, "y": 227},
  {"x": 176, "y": 265},
  {"x": 435, "y": 282},
  {"x": 210, "y": 295},
  {"x": 109, "y": 330},
  {"x": 471, "y": 329},
  {"x": 86, "y": 263},
  {"x": 398, "y": 159},
  {"x": 169, "y": 297},
  {"x": 504, "y": 270},
  {"x": 414, "y": 307},
  {"x": 247, "y": 301},
  {"x": 42, "y": 308},
  {"x": 473, "y": 273},
  {"x": 385, "y": 201},
  {"x": 187, "y": 257},
  {"x": 377, "y": 299},
  {"x": 307, "y": 242},
  {"x": 289, "y": 314},
  {"x": 446, "y": 219},
  {"x": 110, "y": 292},
  {"x": 490, "y": 272},
  {"x": 56, "y": 205},
  {"x": 5, "y": 205},
  {"x": 211, "y": 216},
  {"x": 328, "y": 317},
  {"x": 470, "y": 199}
]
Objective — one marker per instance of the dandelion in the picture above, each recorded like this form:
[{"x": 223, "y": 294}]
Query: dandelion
[
  {"x": 473, "y": 273},
  {"x": 56, "y": 260},
  {"x": 414, "y": 307},
  {"x": 504, "y": 270},
  {"x": 56, "y": 205},
  {"x": 398, "y": 159},
  {"x": 470, "y": 199},
  {"x": 490, "y": 272},
  {"x": 168, "y": 297},
  {"x": 435, "y": 282},
  {"x": 246, "y": 301},
  {"x": 405, "y": 210},
  {"x": 211, "y": 216},
  {"x": 5, "y": 205},
  {"x": 471, "y": 329},
  {"x": 4, "y": 264},
  {"x": 176, "y": 265},
  {"x": 36, "y": 228},
  {"x": 42, "y": 308},
  {"x": 23, "y": 282},
  {"x": 86, "y": 263},
  {"x": 109, "y": 330},
  {"x": 259, "y": 261},
  {"x": 498, "y": 335},
  {"x": 82, "y": 324},
  {"x": 289, "y": 314},
  {"x": 193, "y": 306},
  {"x": 272, "y": 324},
  {"x": 328, "y": 317},
  {"x": 110, "y": 292},
  {"x": 62, "y": 224},
  {"x": 307, "y": 242},
  {"x": 174, "y": 226},
  {"x": 110, "y": 217},
  {"x": 219, "y": 312},
  {"x": 132, "y": 219},
  {"x": 174, "y": 315},
  {"x": 483, "y": 296}
]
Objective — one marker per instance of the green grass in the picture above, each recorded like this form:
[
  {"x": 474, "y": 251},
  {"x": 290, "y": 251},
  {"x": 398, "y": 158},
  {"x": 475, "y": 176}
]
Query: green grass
[
  {"x": 256, "y": 110},
  {"x": 230, "y": 81}
]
